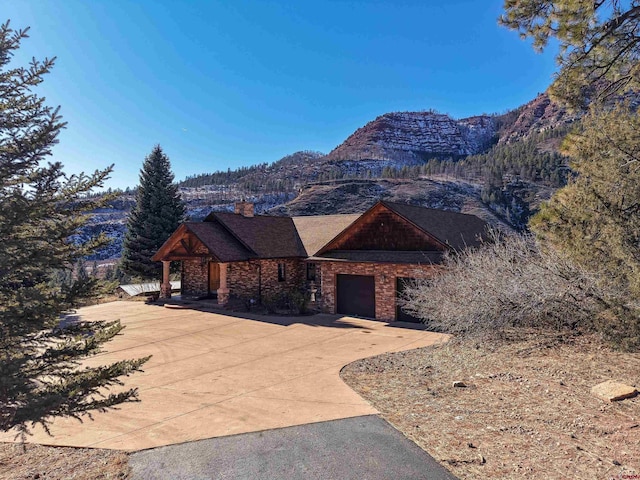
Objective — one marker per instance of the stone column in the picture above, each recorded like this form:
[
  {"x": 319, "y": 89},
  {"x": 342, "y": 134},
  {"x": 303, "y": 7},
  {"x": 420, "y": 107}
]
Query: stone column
[
  {"x": 223, "y": 291},
  {"x": 165, "y": 286}
]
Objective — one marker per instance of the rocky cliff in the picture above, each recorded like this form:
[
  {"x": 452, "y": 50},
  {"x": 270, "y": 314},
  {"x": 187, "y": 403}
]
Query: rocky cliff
[
  {"x": 538, "y": 115},
  {"x": 413, "y": 137}
]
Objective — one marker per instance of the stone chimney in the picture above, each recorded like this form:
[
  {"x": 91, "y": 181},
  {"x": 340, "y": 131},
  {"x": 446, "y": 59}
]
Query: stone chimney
[{"x": 244, "y": 208}]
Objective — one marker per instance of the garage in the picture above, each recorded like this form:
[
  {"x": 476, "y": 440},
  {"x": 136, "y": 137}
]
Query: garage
[
  {"x": 401, "y": 315},
  {"x": 355, "y": 295}
]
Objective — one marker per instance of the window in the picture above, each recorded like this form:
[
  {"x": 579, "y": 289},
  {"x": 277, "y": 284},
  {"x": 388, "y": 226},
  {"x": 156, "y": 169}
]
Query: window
[
  {"x": 282, "y": 274},
  {"x": 311, "y": 272}
]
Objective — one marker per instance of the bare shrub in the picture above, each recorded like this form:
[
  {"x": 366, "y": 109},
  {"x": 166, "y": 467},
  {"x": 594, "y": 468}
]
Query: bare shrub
[{"x": 511, "y": 283}]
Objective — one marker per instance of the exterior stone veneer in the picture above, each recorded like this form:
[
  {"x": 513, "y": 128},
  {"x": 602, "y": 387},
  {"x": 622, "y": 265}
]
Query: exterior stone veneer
[
  {"x": 385, "y": 289},
  {"x": 195, "y": 275},
  {"x": 253, "y": 279}
]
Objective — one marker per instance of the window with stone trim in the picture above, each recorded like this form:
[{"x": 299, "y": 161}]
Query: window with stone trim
[{"x": 282, "y": 272}]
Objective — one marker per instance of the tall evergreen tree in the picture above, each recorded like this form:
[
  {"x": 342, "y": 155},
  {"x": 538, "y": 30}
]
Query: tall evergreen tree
[
  {"x": 596, "y": 218},
  {"x": 158, "y": 212},
  {"x": 41, "y": 209}
]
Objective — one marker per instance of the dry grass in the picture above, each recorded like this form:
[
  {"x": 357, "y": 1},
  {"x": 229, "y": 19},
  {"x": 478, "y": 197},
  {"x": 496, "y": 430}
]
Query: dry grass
[
  {"x": 526, "y": 412},
  {"x": 61, "y": 463}
]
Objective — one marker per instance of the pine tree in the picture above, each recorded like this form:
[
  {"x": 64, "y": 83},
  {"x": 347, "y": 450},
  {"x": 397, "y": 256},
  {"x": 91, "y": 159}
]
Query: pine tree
[
  {"x": 596, "y": 218},
  {"x": 41, "y": 209},
  {"x": 599, "y": 45},
  {"x": 158, "y": 213}
]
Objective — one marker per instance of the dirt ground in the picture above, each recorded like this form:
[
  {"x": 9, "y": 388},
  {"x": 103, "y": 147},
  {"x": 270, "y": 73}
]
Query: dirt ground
[
  {"x": 61, "y": 463},
  {"x": 526, "y": 411}
]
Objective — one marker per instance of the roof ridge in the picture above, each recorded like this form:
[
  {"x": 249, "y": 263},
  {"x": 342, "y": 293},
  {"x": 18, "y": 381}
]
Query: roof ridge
[
  {"x": 254, "y": 216},
  {"x": 327, "y": 215},
  {"x": 231, "y": 232}
]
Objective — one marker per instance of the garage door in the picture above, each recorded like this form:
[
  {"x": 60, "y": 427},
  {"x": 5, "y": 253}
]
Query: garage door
[
  {"x": 356, "y": 295},
  {"x": 401, "y": 315}
]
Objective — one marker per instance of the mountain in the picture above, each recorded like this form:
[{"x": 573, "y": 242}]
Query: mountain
[
  {"x": 499, "y": 167},
  {"x": 413, "y": 137},
  {"x": 539, "y": 115}
]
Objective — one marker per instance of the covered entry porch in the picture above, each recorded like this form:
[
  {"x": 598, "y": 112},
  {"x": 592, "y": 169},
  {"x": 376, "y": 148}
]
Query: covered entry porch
[
  {"x": 216, "y": 281},
  {"x": 204, "y": 254}
]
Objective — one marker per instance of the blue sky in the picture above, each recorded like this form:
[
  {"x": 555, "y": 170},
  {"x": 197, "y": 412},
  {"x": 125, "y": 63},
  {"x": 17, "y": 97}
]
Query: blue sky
[{"x": 220, "y": 84}]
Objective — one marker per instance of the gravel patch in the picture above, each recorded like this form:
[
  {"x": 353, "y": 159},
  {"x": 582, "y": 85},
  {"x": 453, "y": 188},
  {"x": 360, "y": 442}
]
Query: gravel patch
[
  {"x": 525, "y": 411},
  {"x": 31, "y": 461}
]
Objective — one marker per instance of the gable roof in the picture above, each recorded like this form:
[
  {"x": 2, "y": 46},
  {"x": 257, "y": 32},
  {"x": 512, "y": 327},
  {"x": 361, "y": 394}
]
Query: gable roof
[
  {"x": 231, "y": 237},
  {"x": 265, "y": 236},
  {"x": 316, "y": 231},
  {"x": 457, "y": 230},
  {"x": 219, "y": 241},
  {"x": 214, "y": 237},
  {"x": 446, "y": 230}
]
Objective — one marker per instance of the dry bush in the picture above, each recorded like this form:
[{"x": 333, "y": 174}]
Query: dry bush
[{"x": 510, "y": 283}]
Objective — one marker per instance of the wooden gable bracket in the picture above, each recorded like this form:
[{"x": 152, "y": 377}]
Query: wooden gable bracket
[
  {"x": 184, "y": 238},
  {"x": 187, "y": 246}
]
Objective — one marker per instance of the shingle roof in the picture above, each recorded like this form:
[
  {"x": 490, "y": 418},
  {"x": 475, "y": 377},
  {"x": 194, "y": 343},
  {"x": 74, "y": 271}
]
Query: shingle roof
[
  {"x": 266, "y": 236},
  {"x": 458, "y": 230},
  {"x": 316, "y": 231},
  {"x": 219, "y": 241},
  {"x": 231, "y": 237}
]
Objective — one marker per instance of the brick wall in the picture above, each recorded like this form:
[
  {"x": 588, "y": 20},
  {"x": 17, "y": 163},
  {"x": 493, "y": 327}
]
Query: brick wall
[
  {"x": 243, "y": 280},
  {"x": 294, "y": 275},
  {"x": 385, "y": 289},
  {"x": 260, "y": 277}
]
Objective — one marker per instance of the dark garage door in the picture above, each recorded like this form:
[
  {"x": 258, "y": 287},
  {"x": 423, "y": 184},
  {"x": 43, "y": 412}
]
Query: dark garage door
[
  {"x": 401, "y": 315},
  {"x": 356, "y": 295}
]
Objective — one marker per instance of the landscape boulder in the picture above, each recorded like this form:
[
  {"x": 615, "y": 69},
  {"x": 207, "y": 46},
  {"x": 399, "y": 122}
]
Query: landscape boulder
[{"x": 613, "y": 391}]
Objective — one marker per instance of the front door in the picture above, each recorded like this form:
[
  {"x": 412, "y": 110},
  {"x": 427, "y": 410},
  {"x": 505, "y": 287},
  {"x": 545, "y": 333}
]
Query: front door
[{"x": 214, "y": 277}]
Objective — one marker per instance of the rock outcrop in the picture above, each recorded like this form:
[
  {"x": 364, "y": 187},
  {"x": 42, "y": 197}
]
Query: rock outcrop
[
  {"x": 538, "y": 115},
  {"x": 412, "y": 137}
]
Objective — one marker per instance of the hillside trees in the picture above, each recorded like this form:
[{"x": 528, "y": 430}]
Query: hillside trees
[
  {"x": 41, "y": 209},
  {"x": 596, "y": 218},
  {"x": 158, "y": 213},
  {"x": 599, "y": 52},
  {"x": 588, "y": 235}
]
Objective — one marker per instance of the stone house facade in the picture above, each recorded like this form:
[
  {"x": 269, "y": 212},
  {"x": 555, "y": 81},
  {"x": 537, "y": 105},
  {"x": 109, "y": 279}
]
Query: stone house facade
[{"x": 347, "y": 264}]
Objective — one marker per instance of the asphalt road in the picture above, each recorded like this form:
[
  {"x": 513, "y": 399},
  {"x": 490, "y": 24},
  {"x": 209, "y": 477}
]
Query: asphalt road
[{"x": 360, "y": 448}]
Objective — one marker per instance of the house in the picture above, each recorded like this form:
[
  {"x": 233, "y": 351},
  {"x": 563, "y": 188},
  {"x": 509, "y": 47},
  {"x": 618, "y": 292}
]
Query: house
[{"x": 352, "y": 264}]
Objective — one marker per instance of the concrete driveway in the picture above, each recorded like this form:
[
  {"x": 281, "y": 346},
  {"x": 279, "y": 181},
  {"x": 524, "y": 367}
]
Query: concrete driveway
[{"x": 213, "y": 374}]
